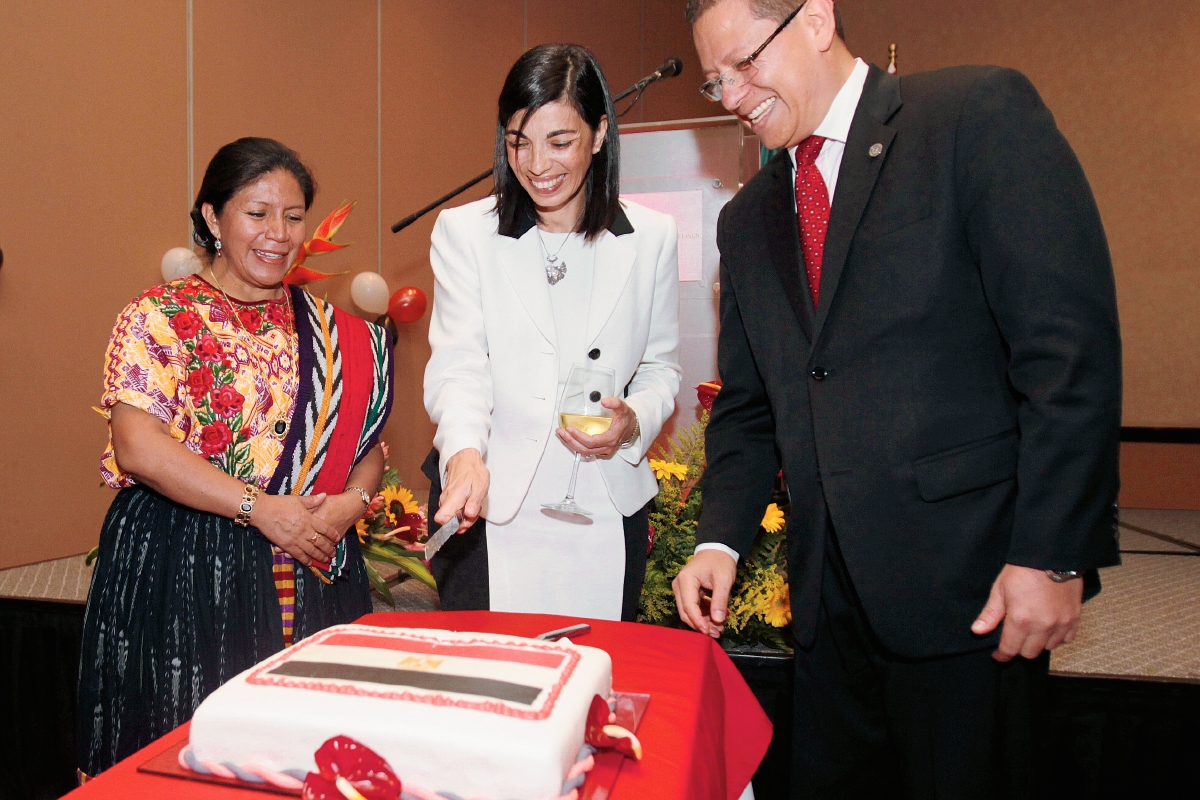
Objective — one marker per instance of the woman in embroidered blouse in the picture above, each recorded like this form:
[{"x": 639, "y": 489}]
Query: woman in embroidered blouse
[{"x": 235, "y": 457}]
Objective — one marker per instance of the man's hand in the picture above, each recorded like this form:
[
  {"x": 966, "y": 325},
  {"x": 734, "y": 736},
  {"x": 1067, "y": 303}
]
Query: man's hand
[
  {"x": 467, "y": 481},
  {"x": 1038, "y": 613},
  {"x": 711, "y": 570}
]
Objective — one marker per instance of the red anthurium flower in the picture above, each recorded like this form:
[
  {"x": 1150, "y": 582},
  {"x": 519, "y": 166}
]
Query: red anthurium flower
[
  {"x": 348, "y": 766},
  {"x": 707, "y": 391},
  {"x": 599, "y": 715},
  {"x": 602, "y": 732},
  {"x": 317, "y": 788},
  {"x": 415, "y": 525}
]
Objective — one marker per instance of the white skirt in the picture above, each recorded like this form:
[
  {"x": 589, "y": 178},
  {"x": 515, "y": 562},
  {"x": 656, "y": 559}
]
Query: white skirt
[{"x": 545, "y": 562}]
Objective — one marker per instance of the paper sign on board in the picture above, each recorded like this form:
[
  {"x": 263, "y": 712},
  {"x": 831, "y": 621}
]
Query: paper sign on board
[{"x": 688, "y": 210}]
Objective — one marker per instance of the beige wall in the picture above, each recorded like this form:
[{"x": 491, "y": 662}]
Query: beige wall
[
  {"x": 94, "y": 166},
  {"x": 1123, "y": 81},
  {"x": 94, "y": 178}
]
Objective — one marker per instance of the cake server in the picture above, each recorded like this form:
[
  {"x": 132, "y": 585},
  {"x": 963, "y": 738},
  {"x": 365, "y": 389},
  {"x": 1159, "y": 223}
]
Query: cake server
[
  {"x": 435, "y": 542},
  {"x": 568, "y": 632}
]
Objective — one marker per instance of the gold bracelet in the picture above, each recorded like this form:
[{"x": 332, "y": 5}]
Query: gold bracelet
[
  {"x": 633, "y": 437},
  {"x": 249, "y": 496}
]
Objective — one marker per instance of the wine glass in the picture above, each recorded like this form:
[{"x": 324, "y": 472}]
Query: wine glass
[{"x": 580, "y": 408}]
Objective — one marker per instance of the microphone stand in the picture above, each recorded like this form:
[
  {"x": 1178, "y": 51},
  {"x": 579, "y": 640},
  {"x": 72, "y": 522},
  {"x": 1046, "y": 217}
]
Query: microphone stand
[{"x": 638, "y": 87}]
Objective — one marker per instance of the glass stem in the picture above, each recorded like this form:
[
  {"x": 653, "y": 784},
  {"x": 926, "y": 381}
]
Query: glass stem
[{"x": 574, "y": 474}]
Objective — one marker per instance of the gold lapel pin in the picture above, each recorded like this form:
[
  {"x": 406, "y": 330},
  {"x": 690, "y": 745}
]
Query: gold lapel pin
[{"x": 876, "y": 150}]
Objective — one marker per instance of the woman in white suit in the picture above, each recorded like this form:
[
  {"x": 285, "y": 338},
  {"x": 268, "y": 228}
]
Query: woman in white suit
[{"x": 551, "y": 270}]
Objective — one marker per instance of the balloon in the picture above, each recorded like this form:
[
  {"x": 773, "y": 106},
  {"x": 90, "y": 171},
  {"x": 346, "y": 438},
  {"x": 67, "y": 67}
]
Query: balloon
[
  {"x": 407, "y": 305},
  {"x": 179, "y": 262},
  {"x": 370, "y": 292}
]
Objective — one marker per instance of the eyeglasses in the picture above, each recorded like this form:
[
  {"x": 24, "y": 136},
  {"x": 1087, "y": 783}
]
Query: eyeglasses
[{"x": 742, "y": 70}]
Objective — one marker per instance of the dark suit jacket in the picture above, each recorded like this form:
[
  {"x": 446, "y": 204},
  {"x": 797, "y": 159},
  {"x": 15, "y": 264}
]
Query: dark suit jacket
[{"x": 953, "y": 404}]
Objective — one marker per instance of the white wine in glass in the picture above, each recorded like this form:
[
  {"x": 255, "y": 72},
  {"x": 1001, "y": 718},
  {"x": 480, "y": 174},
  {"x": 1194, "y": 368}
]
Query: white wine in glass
[
  {"x": 580, "y": 408},
  {"x": 589, "y": 425}
]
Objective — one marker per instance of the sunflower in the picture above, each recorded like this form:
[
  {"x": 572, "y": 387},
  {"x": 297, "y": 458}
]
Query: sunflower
[
  {"x": 363, "y": 533},
  {"x": 778, "y": 613},
  {"x": 401, "y": 495},
  {"x": 772, "y": 521},
  {"x": 668, "y": 469}
]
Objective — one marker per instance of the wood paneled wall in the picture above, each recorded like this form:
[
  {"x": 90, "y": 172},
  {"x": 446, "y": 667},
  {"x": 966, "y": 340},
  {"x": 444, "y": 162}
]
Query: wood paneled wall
[
  {"x": 391, "y": 103},
  {"x": 390, "y": 100}
]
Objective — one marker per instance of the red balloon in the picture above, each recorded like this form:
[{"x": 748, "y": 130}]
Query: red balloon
[{"x": 407, "y": 305}]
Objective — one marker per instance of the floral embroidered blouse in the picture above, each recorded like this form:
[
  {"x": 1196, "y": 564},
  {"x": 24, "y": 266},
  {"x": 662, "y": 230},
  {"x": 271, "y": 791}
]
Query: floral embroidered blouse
[{"x": 177, "y": 353}]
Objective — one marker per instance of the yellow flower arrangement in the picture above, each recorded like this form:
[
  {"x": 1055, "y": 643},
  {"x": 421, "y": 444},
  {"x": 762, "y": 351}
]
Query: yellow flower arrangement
[
  {"x": 778, "y": 611},
  {"x": 759, "y": 605},
  {"x": 668, "y": 469},
  {"x": 772, "y": 521},
  {"x": 387, "y": 538},
  {"x": 401, "y": 495}
]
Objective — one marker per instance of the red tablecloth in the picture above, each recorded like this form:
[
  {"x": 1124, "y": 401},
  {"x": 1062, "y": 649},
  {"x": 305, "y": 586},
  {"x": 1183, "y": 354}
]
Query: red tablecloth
[{"x": 703, "y": 733}]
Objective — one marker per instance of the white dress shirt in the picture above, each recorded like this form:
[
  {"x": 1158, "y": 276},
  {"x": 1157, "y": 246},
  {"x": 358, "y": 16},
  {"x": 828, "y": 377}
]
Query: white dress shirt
[{"x": 836, "y": 129}]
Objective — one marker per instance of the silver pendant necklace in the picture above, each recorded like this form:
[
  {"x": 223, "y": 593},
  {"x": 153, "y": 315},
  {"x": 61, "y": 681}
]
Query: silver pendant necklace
[{"x": 555, "y": 270}]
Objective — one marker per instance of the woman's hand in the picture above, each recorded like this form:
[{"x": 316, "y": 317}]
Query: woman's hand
[
  {"x": 289, "y": 523},
  {"x": 341, "y": 511},
  {"x": 467, "y": 482},
  {"x": 602, "y": 445}
]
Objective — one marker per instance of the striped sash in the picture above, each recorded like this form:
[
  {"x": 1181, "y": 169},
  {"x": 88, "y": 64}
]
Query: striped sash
[{"x": 343, "y": 400}]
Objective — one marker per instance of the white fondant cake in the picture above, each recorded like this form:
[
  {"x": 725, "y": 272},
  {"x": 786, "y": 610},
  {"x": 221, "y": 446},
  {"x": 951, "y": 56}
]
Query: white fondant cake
[{"x": 464, "y": 713}]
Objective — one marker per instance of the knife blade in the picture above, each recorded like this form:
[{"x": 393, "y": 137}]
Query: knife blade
[{"x": 435, "y": 542}]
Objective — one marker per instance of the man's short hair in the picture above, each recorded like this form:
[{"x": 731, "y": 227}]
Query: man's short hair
[{"x": 762, "y": 9}]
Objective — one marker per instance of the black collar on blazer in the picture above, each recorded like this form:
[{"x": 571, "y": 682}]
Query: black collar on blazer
[{"x": 620, "y": 224}]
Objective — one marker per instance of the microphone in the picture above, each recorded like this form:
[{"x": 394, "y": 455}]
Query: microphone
[{"x": 670, "y": 68}]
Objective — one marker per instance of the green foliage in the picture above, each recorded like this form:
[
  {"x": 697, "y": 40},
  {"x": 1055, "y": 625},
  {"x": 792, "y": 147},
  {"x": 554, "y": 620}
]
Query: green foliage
[
  {"x": 379, "y": 543},
  {"x": 759, "y": 612}
]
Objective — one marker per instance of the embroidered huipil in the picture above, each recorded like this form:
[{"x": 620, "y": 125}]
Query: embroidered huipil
[{"x": 177, "y": 353}]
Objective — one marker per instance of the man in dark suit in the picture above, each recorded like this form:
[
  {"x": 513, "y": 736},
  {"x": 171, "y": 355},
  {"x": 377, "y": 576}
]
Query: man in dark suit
[{"x": 919, "y": 326}]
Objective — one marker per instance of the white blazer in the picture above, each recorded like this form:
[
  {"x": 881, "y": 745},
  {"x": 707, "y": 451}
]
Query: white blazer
[{"x": 492, "y": 379}]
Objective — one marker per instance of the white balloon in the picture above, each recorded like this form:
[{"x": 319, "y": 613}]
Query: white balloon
[
  {"x": 370, "y": 292},
  {"x": 179, "y": 262}
]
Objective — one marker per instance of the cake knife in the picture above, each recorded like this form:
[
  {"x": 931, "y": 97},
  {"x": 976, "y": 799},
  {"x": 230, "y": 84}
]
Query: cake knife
[{"x": 435, "y": 542}]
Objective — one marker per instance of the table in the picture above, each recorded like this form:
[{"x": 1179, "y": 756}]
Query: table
[{"x": 703, "y": 734}]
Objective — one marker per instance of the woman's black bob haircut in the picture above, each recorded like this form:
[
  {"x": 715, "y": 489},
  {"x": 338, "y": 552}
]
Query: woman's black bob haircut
[
  {"x": 545, "y": 74},
  {"x": 239, "y": 164}
]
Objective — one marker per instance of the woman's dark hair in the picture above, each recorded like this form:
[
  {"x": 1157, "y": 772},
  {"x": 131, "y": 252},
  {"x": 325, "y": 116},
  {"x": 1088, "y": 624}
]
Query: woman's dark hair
[
  {"x": 239, "y": 164},
  {"x": 545, "y": 74}
]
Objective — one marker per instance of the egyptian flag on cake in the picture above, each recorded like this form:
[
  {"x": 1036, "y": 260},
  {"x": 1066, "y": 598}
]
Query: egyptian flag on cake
[{"x": 520, "y": 678}]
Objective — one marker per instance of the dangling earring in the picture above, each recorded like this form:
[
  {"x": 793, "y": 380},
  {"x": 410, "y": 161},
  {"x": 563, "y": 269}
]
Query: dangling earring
[{"x": 217, "y": 245}]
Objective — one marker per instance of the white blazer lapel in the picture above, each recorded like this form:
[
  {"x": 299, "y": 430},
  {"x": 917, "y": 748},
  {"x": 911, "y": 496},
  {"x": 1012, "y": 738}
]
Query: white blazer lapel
[
  {"x": 614, "y": 261},
  {"x": 522, "y": 261}
]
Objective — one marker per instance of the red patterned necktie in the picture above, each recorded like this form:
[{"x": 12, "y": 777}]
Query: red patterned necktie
[{"x": 812, "y": 209}]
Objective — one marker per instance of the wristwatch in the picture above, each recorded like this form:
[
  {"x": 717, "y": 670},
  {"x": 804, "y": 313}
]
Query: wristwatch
[
  {"x": 366, "y": 498},
  {"x": 1062, "y": 576}
]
